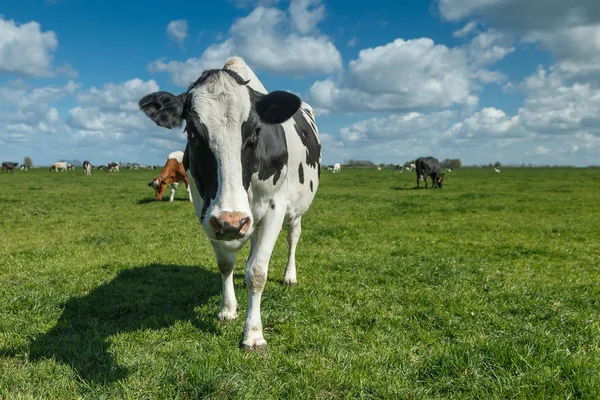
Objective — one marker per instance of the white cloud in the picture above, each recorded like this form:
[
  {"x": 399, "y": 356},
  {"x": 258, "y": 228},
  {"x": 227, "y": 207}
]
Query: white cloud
[
  {"x": 25, "y": 50},
  {"x": 124, "y": 96},
  {"x": 570, "y": 30},
  {"x": 465, "y": 30},
  {"x": 402, "y": 75},
  {"x": 178, "y": 30},
  {"x": 306, "y": 14},
  {"x": 542, "y": 151},
  {"x": 268, "y": 39}
]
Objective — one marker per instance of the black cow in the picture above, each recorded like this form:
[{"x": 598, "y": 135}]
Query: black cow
[
  {"x": 429, "y": 167},
  {"x": 7, "y": 165}
]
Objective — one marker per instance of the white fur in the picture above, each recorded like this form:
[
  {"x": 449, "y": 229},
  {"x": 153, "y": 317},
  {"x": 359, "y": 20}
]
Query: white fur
[
  {"x": 337, "y": 168},
  {"x": 59, "y": 166},
  {"x": 178, "y": 155}
]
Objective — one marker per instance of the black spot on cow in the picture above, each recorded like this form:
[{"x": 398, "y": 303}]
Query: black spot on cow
[
  {"x": 311, "y": 186},
  {"x": 272, "y": 206},
  {"x": 301, "y": 174},
  {"x": 201, "y": 162},
  {"x": 308, "y": 136},
  {"x": 264, "y": 150}
]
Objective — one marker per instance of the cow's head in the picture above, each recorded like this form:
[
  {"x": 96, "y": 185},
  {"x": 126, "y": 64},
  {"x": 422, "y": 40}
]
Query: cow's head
[
  {"x": 440, "y": 180},
  {"x": 223, "y": 118},
  {"x": 159, "y": 185}
]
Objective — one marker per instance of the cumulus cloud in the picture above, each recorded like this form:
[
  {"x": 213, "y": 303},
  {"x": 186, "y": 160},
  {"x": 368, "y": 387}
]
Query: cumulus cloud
[
  {"x": 269, "y": 39},
  {"x": 178, "y": 30},
  {"x": 123, "y": 96},
  {"x": 306, "y": 14},
  {"x": 569, "y": 30},
  {"x": 402, "y": 75},
  {"x": 25, "y": 50}
]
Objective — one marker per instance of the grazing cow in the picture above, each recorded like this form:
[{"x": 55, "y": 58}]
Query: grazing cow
[
  {"x": 253, "y": 161},
  {"x": 398, "y": 168},
  {"x": 337, "y": 168},
  {"x": 412, "y": 167},
  {"x": 429, "y": 167},
  {"x": 24, "y": 167},
  {"x": 497, "y": 170},
  {"x": 449, "y": 170},
  {"x": 59, "y": 166},
  {"x": 87, "y": 168},
  {"x": 172, "y": 173},
  {"x": 70, "y": 166},
  {"x": 9, "y": 166},
  {"x": 112, "y": 167}
]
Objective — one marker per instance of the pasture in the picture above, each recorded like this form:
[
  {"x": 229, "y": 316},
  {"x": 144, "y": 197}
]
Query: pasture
[{"x": 489, "y": 288}]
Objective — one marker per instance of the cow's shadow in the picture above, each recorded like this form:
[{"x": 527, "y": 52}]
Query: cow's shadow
[
  {"x": 405, "y": 188},
  {"x": 149, "y": 297}
]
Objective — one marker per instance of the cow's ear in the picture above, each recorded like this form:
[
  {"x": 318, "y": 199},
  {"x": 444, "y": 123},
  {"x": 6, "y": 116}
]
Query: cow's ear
[
  {"x": 164, "y": 108},
  {"x": 277, "y": 107}
]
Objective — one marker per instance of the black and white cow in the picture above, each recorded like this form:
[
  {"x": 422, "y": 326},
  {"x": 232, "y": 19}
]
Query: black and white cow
[
  {"x": 429, "y": 167},
  {"x": 87, "y": 168},
  {"x": 253, "y": 161},
  {"x": 9, "y": 166}
]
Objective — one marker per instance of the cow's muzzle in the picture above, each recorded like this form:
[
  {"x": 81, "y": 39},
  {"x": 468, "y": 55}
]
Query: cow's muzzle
[{"x": 230, "y": 225}]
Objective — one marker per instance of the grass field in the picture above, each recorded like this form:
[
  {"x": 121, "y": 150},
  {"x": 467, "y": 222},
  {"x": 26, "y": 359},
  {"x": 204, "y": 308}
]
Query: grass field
[{"x": 489, "y": 288}]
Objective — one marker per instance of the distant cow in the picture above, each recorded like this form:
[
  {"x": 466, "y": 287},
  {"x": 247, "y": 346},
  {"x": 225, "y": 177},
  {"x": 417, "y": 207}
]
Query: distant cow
[
  {"x": 497, "y": 170},
  {"x": 412, "y": 167},
  {"x": 59, "y": 166},
  {"x": 429, "y": 167},
  {"x": 9, "y": 166},
  {"x": 112, "y": 167},
  {"x": 172, "y": 173},
  {"x": 87, "y": 168},
  {"x": 449, "y": 170},
  {"x": 337, "y": 168},
  {"x": 24, "y": 167},
  {"x": 399, "y": 168}
]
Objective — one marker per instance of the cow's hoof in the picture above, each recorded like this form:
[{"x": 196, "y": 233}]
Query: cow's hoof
[
  {"x": 258, "y": 345},
  {"x": 290, "y": 282},
  {"x": 225, "y": 316}
]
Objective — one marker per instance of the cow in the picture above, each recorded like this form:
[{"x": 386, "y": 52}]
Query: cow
[
  {"x": 87, "y": 168},
  {"x": 497, "y": 170},
  {"x": 337, "y": 168},
  {"x": 449, "y": 170},
  {"x": 398, "y": 168},
  {"x": 59, "y": 166},
  {"x": 253, "y": 160},
  {"x": 172, "y": 173},
  {"x": 70, "y": 167},
  {"x": 9, "y": 166},
  {"x": 412, "y": 167},
  {"x": 24, "y": 167},
  {"x": 429, "y": 167},
  {"x": 112, "y": 167}
]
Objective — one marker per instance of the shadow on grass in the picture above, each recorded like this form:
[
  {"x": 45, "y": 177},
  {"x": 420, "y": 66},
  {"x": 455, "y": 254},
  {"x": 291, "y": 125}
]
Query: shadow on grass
[
  {"x": 166, "y": 200},
  {"x": 404, "y": 188},
  {"x": 150, "y": 297}
]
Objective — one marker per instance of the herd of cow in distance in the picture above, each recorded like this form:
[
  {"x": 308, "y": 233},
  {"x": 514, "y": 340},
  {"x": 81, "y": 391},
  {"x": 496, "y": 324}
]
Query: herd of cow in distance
[{"x": 252, "y": 165}]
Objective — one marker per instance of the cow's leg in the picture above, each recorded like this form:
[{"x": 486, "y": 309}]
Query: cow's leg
[
  {"x": 293, "y": 236},
  {"x": 256, "y": 277},
  {"x": 173, "y": 186},
  {"x": 229, "y": 305},
  {"x": 425, "y": 178},
  {"x": 187, "y": 187}
]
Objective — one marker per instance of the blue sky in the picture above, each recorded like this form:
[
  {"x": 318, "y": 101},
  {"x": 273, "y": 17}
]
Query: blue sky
[{"x": 483, "y": 81}]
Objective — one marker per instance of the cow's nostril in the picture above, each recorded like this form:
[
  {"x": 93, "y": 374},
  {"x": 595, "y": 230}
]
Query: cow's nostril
[{"x": 215, "y": 224}]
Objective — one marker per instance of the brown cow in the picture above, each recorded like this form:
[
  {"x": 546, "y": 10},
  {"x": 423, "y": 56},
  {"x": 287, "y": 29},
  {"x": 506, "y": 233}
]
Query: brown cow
[{"x": 172, "y": 173}]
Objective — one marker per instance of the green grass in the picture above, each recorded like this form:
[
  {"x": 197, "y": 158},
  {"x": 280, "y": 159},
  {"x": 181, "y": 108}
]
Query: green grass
[{"x": 489, "y": 288}]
